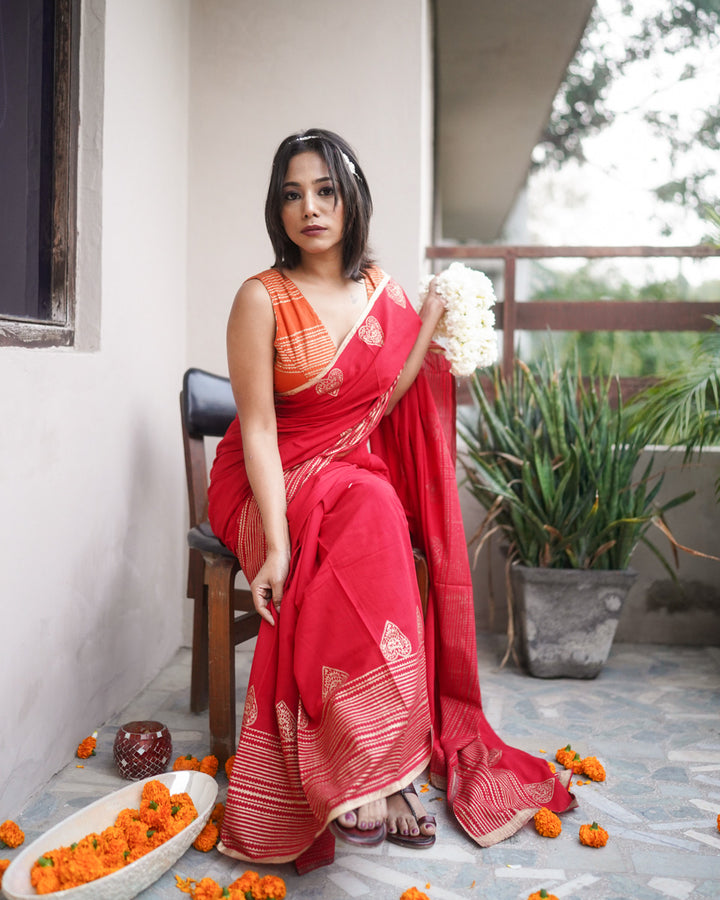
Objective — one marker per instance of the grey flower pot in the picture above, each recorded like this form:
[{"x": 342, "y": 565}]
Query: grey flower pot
[{"x": 566, "y": 618}]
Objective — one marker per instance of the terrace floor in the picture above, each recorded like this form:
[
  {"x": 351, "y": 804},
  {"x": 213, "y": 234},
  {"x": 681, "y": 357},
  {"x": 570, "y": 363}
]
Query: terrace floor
[{"x": 652, "y": 717}]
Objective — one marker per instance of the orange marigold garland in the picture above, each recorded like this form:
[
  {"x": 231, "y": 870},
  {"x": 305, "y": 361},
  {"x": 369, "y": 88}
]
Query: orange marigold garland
[
  {"x": 593, "y": 835},
  {"x": 11, "y": 835},
  {"x": 547, "y": 824},
  {"x": 413, "y": 894},
  {"x": 228, "y": 765},
  {"x": 187, "y": 763},
  {"x": 542, "y": 894},
  {"x": 86, "y": 747},
  {"x": 4, "y": 863},
  {"x": 136, "y": 832},
  {"x": 593, "y": 768},
  {"x": 718, "y": 823}
]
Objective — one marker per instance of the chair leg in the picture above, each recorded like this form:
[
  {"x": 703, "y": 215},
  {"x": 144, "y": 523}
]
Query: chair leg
[
  {"x": 423, "y": 578},
  {"x": 221, "y": 573},
  {"x": 197, "y": 589}
]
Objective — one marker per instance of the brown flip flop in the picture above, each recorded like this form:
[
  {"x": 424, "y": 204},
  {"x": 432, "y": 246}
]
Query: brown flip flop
[{"x": 417, "y": 841}]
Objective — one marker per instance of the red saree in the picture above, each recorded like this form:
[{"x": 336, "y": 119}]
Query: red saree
[{"x": 352, "y": 694}]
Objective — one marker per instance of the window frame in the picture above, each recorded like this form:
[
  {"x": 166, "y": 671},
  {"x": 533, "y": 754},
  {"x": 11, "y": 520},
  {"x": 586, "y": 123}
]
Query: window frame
[{"x": 58, "y": 330}]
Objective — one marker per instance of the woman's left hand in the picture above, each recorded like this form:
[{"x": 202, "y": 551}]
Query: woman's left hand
[{"x": 434, "y": 303}]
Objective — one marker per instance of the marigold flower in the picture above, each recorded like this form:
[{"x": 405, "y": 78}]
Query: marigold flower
[
  {"x": 87, "y": 746},
  {"x": 207, "y": 838},
  {"x": 11, "y": 834},
  {"x": 4, "y": 863},
  {"x": 154, "y": 791},
  {"x": 43, "y": 876},
  {"x": 718, "y": 823},
  {"x": 593, "y": 835},
  {"x": 81, "y": 866},
  {"x": 207, "y": 889},
  {"x": 209, "y": 765},
  {"x": 575, "y": 764},
  {"x": 547, "y": 824},
  {"x": 542, "y": 894},
  {"x": 186, "y": 764},
  {"x": 113, "y": 848},
  {"x": 593, "y": 768},
  {"x": 228, "y": 765},
  {"x": 565, "y": 755},
  {"x": 413, "y": 894},
  {"x": 553, "y": 768},
  {"x": 246, "y": 883},
  {"x": 218, "y": 814},
  {"x": 135, "y": 833},
  {"x": 270, "y": 887},
  {"x": 182, "y": 811},
  {"x": 89, "y": 843}
]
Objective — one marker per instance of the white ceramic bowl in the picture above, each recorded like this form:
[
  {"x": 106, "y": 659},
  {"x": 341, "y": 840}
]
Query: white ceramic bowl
[{"x": 130, "y": 880}]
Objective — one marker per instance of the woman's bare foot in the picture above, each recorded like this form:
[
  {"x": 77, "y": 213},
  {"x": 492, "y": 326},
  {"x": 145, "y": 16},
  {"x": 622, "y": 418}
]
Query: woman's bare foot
[
  {"x": 366, "y": 817},
  {"x": 407, "y": 821},
  {"x": 365, "y": 825}
]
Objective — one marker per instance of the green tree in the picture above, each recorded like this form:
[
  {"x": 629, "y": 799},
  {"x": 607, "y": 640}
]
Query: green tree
[
  {"x": 683, "y": 409},
  {"x": 629, "y": 354},
  {"x": 681, "y": 29}
]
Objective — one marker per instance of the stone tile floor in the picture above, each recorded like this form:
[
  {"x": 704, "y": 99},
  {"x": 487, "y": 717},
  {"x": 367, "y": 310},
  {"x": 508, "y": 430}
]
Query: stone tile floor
[{"x": 652, "y": 717}]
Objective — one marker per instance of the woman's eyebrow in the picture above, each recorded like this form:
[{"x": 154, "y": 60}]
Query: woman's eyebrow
[{"x": 316, "y": 181}]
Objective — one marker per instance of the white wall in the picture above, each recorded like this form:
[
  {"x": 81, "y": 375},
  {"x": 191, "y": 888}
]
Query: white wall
[
  {"x": 91, "y": 478},
  {"x": 182, "y": 105},
  {"x": 261, "y": 71}
]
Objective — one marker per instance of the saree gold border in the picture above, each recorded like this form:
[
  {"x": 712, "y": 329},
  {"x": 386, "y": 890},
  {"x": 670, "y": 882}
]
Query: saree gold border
[
  {"x": 344, "y": 807},
  {"x": 509, "y": 828},
  {"x": 348, "y": 337}
]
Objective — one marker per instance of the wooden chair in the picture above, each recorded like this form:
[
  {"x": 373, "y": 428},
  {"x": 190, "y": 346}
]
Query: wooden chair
[{"x": 223, "y": 616}]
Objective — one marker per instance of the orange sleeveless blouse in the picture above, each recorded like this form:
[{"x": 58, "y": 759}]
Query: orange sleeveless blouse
[{"x": 303, "y": 347}]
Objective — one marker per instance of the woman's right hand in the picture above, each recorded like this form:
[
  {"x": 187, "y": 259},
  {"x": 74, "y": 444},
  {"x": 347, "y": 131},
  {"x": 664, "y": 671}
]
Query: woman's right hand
[{"x": 267, "y": 586}]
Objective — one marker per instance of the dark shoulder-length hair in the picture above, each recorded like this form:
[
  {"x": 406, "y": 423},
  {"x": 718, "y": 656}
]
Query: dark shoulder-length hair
[{"x": 347, "y": 178}]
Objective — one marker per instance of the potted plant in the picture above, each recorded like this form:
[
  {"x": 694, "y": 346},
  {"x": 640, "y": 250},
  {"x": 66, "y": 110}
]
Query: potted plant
[
  {"x": 552, "y": 458},
  {"x": 683, "y": 409}
]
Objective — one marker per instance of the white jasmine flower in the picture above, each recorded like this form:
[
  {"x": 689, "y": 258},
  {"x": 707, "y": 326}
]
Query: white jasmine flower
[{"x": 466, "y": 331}]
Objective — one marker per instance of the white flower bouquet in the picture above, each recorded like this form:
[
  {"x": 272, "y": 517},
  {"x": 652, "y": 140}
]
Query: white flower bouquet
[{"x": 466, "y": 331}]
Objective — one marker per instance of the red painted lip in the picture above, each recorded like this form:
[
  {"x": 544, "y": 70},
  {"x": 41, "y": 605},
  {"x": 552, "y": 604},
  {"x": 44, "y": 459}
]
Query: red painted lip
[{"x": 314, "y": 229}]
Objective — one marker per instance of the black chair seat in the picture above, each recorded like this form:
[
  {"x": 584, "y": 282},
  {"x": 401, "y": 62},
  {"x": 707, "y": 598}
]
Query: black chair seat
[{"x": 202, "y": 538}]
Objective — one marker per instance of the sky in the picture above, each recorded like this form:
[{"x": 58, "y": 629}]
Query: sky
[{"x": 609, "y": 200}]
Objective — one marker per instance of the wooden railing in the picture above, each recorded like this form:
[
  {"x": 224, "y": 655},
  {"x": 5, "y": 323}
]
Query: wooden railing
[{"x": 583, "y": 315}]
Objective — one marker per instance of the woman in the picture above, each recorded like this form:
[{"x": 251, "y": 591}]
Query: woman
[{"x": 336, "y": 460}]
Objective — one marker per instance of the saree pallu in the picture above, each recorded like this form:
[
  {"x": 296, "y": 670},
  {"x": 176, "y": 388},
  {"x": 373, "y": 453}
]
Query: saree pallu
[
  {"x": 492, "y": 788},
  {"x": 343, "y": 707}
]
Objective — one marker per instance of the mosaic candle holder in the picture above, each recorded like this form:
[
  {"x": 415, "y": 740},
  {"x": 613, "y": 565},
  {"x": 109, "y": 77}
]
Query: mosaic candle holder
[{"x": 142, "y": 749}]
